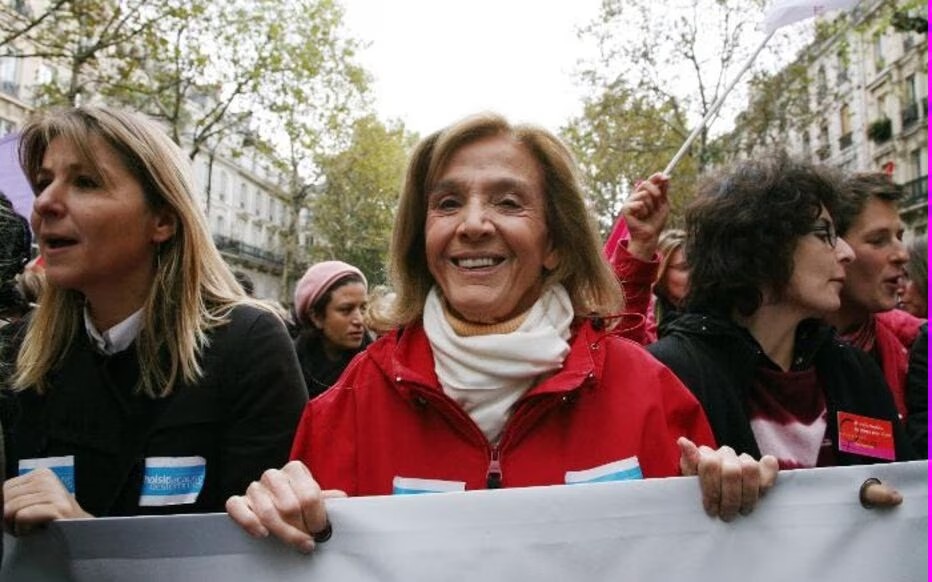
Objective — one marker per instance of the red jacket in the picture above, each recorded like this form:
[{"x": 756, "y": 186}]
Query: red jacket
[
  {"x": 637, "y": 279},
  {"x": 387, "y": 416}
]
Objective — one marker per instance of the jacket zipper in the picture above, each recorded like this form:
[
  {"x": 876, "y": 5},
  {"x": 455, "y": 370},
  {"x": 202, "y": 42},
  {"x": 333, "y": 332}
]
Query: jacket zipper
[{"x": 493, "y": 477}]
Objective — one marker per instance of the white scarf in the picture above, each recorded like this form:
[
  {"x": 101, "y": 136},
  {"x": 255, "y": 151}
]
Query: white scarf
[{"x": 487, "y": 374}]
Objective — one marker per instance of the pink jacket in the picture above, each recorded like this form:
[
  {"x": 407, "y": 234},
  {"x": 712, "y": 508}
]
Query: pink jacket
[{"x": 896, "y": 332}]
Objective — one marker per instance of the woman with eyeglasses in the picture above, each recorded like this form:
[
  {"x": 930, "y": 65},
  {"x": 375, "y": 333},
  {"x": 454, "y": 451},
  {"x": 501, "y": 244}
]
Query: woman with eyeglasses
[{"x": 766, "y": 266}]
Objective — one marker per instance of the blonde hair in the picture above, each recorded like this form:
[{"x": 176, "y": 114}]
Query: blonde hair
[
  {"x": 669, "y": 242},
  {"x": 193, "y": 291},
  {"x": 588, "y": 279}
]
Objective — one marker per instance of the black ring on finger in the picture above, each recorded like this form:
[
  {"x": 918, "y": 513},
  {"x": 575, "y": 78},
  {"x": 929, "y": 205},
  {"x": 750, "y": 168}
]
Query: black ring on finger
[
  {"x": 862, "y": 493},
  {"x": 324, "y": 534}
]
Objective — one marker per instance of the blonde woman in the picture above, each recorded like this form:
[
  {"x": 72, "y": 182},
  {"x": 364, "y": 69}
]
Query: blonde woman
[
  {"x": 672, "y": 278},
  {"x": 147, "y": 382}
]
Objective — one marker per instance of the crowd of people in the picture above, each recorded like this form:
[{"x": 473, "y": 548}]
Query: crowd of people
[{"x": 512, "y": 348}]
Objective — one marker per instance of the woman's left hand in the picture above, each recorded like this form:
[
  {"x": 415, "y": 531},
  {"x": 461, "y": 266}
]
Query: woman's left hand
[
  {"x": 34, "y": 499},
  {"x": 646, "y": 211},
  {"x": 730, "y": 483}
]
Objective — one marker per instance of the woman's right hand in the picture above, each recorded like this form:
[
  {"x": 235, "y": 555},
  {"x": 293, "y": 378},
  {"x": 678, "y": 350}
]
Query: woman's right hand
[
  {"x": 36, "y": 498},
  {"x": 287, "y": 503}
]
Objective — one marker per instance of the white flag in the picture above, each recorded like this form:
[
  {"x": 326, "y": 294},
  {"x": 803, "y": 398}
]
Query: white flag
[{"x": 783, "y": 12}]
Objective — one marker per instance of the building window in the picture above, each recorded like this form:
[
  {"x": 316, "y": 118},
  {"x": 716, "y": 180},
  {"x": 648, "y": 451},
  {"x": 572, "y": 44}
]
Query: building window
[
  {"x": 242, "y": 194},
  {"x": 915, "y": 163},
  {"x": 844, "y": 141},
  {"x": 22, "y": 7},
  {"x": 916, "y": 188},
  {"x": 911, "y": 89},
  {"x": 842, "y": 67},
  {"x": 879, "y": 61},
  {"x": 222, "y": 189},
  {"x": 241, "y": 229},
  {"x": 825, "y": 149},
  {"x": 822, "y": 84},
  {"x": 6, "y": 126},
  {"x": 9, "y": 76},
  {"x": 910, "y": 113}
]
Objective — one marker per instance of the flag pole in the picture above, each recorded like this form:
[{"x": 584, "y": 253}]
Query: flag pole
[{"x": 713, "y": 110}]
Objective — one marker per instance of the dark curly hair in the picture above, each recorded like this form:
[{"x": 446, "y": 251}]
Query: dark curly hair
[
  {"x": 856, "y": 190},
  {"x": 15, "y": 243},
  {"x": 743, "y": 227}
]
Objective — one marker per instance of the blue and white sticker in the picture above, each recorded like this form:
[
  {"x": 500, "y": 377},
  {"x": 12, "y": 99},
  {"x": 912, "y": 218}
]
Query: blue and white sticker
[
  {"x": 623, "y": 470},
  {"x": 63, "y": 467},
  {"x": 172, "y": 481},
  {"x": 412, "y": 486}
]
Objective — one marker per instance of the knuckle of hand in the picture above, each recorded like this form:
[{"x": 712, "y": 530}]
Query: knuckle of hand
[
  {"x": 269, "y": 475},
  {"x": 254, "y": 488}
]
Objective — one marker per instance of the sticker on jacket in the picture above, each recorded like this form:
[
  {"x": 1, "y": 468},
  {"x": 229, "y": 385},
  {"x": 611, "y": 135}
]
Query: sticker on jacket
[
  {"x": 412, "y": 486},
  {"x": 863, "y": 435},
  {"x": 63, "y": 467},
  {"x": 172, "y": 480},
  {"x": 623, "y": 470}
]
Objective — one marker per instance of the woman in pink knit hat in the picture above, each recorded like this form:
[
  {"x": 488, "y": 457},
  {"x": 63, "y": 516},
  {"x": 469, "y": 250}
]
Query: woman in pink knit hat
[{"x": 330, "y": 301}]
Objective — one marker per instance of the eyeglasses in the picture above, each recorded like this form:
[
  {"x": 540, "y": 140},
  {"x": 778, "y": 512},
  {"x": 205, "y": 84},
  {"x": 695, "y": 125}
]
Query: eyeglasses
[{"x": 825, "y": 230}]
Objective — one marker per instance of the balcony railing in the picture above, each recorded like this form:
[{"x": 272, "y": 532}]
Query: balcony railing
[
  {"x": 910, "y": 114},
  {"x": 916, "y": 191},
  {"x": 248, "y": 252},
  {"x": 844, "y": 142}
]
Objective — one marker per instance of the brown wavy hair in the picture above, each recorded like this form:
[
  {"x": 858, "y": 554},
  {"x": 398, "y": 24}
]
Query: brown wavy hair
[{"x": 588, "y": 279}]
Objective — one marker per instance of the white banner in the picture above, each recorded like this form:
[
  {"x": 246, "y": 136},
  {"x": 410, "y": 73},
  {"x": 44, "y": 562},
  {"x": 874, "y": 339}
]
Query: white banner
[
  {"x": 810, "y": 527},
  {"x": 783, "y": 12}
]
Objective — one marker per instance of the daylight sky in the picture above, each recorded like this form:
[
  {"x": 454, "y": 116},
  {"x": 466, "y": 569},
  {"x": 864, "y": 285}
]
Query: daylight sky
[{"x": 434, "y": 61}]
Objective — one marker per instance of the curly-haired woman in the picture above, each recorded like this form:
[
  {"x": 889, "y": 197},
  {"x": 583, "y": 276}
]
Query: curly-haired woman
[{"x": 766, "y": 264}]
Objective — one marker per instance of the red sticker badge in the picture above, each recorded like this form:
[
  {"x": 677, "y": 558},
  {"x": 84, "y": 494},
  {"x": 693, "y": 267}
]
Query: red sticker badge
[{"x": 863, "y": 435}]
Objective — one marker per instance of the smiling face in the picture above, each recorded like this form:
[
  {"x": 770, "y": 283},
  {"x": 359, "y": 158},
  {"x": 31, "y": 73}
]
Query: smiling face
[
  {"x": 342, "y": 322},
  {"x": 96, "y": 232},
  {"x": 486, "y": 235},
  {"x": 818, "y": 275},
  {"x": 875, "y": 275}
]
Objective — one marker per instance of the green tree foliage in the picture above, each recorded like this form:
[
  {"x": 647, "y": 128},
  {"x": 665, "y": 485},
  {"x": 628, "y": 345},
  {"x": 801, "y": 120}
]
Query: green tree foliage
[
  {"x": 209, "y": 67},
  {"x": 352, "y": 214},
  {"x": 622, "y": 137},
  {"x": 682, "y": 52},
  {"x": 304, "y": 111},
  {"x": 82, "y": 40},
  {"x": 781, "y": 104},
  {"x": 18, "y": 19}
]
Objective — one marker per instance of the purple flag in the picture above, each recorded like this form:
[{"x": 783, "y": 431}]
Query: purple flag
[{"x": 13, "y": 182}]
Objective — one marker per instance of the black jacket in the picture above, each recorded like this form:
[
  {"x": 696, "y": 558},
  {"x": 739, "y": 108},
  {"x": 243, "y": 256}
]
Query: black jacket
[
  {"x": 917, "y": 393},
  {"x": 717, "y": 360},
  {"x": 240, "y": 417},
  {"x": 320, "y": 372}
]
